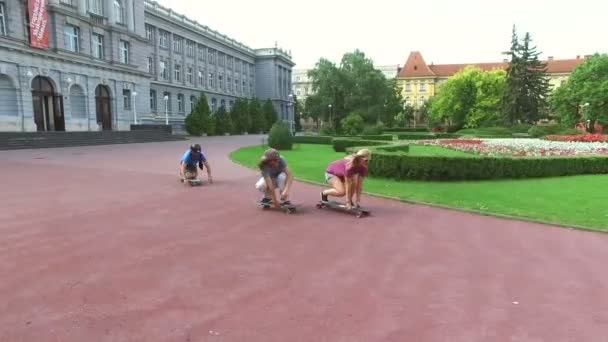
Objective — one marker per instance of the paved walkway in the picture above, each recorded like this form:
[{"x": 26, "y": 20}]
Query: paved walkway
[{"x": 103, "y": 244}]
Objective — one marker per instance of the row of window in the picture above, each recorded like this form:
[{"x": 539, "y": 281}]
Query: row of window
[
  {"x": 181, "y": 104},
  {"x": 193, "y": 50},
  {"x": 96, "y": 7},
  {"x": 230, "y": 85},
  {"x": 71, "y": 39},
  {"x": 421, "y": 87}
]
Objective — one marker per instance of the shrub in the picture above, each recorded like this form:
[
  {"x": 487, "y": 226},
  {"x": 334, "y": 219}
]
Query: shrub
[
  {"x": 340, "y": 144},
  {"x": 312, "y": 139},
  {"x": 280, "y": 137},
  {"x": 541, "y": 131},
  {"x": 352, "y": 124},
  {"x": 399, "y": 165},
  {"x": 376, "y": 137},
  {"x": 374, "y": 130},
  {"x": 487, "y": 132},
  {"x": 447, "y": 135},
  {"x": 385, "y": 148},
  {"x": 327, "y": 130}
]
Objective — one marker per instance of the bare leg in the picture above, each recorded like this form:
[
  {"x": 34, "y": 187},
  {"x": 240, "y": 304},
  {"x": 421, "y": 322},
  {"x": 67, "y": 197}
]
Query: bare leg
[{"x": 337, "y": 188}]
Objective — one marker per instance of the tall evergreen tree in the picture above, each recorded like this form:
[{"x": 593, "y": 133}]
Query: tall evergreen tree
[
  {"x": 223, "y": 124},
  {"x": 270, "y": 114},
  {"x": 527, "y": 88},
  {"x": 199, "y": 121},
  {"x": 239, "y": 116},
  {"x": 258, "y": 121}
]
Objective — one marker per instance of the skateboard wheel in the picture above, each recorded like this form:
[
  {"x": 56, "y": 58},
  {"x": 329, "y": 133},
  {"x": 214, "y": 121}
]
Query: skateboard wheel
[{"x": 319, "y": 205}]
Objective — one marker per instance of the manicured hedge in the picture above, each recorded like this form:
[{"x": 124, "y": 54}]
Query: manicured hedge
[
  {"x": 383, "y": 148},
  {"x": 383, "y": 137},
  {"x": 406, "y": 130},
  {"x": 399, "y": 165},
  {"x": 416, "y": 136},
  {"x": 312, "y": 139},
  {"x": 340, "y": 144}
]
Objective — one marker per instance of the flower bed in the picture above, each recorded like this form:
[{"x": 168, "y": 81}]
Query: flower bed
[
  {"x": 523, "y": 147},
  {"x": 579, "y": 137}
]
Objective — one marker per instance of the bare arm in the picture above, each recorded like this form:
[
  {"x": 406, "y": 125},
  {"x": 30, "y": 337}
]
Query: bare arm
[
  {"x": 208, "y": 171},
  {"x": 359, "y": 188},
  {"x": 348, "y": 184},
  {"x": 289, "y": 182},
  {"x": 271, "y": 189}
]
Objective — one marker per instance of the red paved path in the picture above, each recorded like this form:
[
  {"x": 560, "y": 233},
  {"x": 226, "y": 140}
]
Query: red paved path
[{"x": 107, "y": 246}]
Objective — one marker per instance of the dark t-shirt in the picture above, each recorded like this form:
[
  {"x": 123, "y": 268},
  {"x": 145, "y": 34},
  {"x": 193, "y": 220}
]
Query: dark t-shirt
[{"x": 274, "y": 172}]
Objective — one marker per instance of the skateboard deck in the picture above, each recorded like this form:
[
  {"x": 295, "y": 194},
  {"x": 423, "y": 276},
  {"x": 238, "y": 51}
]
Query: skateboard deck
[
  {"x": 288, "y": 208},
  {"x": 357, "y": 211},
  {"x": 192, "y": 182}
]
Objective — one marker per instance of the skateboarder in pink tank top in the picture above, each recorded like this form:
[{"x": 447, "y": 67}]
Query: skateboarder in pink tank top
[{"x": 345, "y": 176}]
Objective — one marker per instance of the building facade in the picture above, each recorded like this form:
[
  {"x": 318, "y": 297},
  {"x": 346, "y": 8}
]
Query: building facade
[
  {"x": 420, "y": 81},
  {"x": 87, "y": 65}
]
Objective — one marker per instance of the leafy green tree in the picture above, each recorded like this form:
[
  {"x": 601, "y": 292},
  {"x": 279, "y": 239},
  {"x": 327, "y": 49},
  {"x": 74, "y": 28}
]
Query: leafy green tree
[
  {"x": 223, "y": 124},
  {"x": 470, "y": 98},
  {"x": 584, "y": 96},
  {"x": 270, "y": 115},
  {"x": 199, "y": 121},
  {"x": 353, "y": 124},
  {"x": 354, "y": 86},
  {"x": 258, "y": 121},
  {"x": 525, "y": 97}
]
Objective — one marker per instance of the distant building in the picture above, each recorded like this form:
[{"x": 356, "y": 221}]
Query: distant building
[{"x": 420, "y": 81}]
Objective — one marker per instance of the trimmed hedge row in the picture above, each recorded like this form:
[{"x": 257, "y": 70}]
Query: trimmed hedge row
[
  {"x": 406, "y": 130},
  {"x": 398, "y": 165},
  {"x": 312, "y": 139},
  {"x": 383, "y": 148},
  {"x": 340, "y": 144},
  {"x": 418, "y": 136}
]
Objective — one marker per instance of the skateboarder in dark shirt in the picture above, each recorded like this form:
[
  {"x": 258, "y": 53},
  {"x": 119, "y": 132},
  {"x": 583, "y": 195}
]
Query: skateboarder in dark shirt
[{"x": 275, "y": 174}]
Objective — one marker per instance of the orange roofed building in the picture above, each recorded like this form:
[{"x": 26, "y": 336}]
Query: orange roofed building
[{"x": 420, "y": 81}]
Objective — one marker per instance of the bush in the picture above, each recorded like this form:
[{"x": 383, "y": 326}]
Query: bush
[
  {"x": 384, "y": 148},
  {"x": 376, "y": 137},
  {"x": 340, "y": 144},
  {"x": 487, "y": 132},
  {"x": 312, "y": 139},
  {"x": 327, "y": 130},
  {"x": 447, "y": 135},
  {"x": 353, "y": 124},
  {"x": 374, "y": 130},
  {"x": 280, "y": 137},
  {"x": 399, "y": 165},
  {"x": 541, "y": 131}
]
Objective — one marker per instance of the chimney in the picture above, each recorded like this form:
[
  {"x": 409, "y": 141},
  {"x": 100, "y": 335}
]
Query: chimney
[{"x": 550, "y": 58}]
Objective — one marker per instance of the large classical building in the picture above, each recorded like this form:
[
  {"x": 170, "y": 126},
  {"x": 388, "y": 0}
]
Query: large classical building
[
  {"x": 420, "y": 81},
  {"x": 80, "y": 65}
]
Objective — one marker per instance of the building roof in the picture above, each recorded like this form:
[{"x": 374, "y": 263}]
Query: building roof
[{"x": 416, "y": 67}]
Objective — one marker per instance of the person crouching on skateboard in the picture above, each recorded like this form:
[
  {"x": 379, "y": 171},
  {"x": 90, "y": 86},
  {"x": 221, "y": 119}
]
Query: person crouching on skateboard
[
  {"x": 345, "y": 176},
  {"x": 275, "y": 174},
  {"x": 190, "y": 160}
]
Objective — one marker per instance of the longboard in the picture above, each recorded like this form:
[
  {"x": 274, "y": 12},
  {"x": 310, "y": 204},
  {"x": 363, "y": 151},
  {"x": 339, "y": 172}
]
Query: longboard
[
  {"x": 192, "y": 182},
  {"x": 288, "y": 208},
  {"x": 357, "y": 211}
]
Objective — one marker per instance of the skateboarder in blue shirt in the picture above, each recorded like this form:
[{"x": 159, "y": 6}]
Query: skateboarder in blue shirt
[{"x": 190, "y": 160}]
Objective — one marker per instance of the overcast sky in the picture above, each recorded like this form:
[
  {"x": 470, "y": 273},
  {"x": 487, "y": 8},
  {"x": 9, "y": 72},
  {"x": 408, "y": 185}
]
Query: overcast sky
[{"x": 444, "y": 31}]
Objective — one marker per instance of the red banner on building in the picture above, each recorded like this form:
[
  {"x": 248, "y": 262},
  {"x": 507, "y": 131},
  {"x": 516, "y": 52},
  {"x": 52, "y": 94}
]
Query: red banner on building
[{"x": 39, "y": 24}]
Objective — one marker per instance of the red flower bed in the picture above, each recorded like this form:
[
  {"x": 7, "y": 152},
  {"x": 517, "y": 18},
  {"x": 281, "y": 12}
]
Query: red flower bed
[{"x": 579, "y": 137}]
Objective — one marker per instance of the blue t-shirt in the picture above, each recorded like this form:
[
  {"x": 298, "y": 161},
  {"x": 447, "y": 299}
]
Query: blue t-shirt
[
  {"x": 274, "y": 172},
  {"x": 189, "y": 159}
]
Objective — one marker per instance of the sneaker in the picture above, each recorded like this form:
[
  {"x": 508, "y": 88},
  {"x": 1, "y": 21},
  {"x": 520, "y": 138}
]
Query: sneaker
[
  {"x": 324, "y": 197},
  {"x": 266, "y": 200},
  {"x": 286, "y": 203}
]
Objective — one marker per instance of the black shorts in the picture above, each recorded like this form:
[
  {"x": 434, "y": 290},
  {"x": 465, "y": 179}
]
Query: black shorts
[{"x": 191, "y": 168}]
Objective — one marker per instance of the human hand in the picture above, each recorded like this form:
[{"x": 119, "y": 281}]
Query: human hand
[{"x": 284, "y": 195}]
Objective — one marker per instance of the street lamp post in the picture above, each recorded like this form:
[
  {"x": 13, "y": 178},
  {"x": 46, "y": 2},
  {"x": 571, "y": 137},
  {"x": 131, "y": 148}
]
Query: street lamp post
[
  {"x": 167, "y": 110},
  {"x": 135, "y": 107},
  {"x": 289, "y": 111},
  {"x": 331, "y": 122}
]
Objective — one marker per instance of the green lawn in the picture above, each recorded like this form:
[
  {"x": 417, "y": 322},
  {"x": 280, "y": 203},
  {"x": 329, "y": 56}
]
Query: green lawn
[{"x": 579, "y": 200}]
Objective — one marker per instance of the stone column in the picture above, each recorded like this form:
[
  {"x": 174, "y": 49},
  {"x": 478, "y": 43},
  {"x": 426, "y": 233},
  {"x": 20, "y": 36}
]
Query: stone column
[
  {"x": 109, "y": 7},
  {"x": 129, "y": 10},
  {"x": 82, "y": 7}
]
